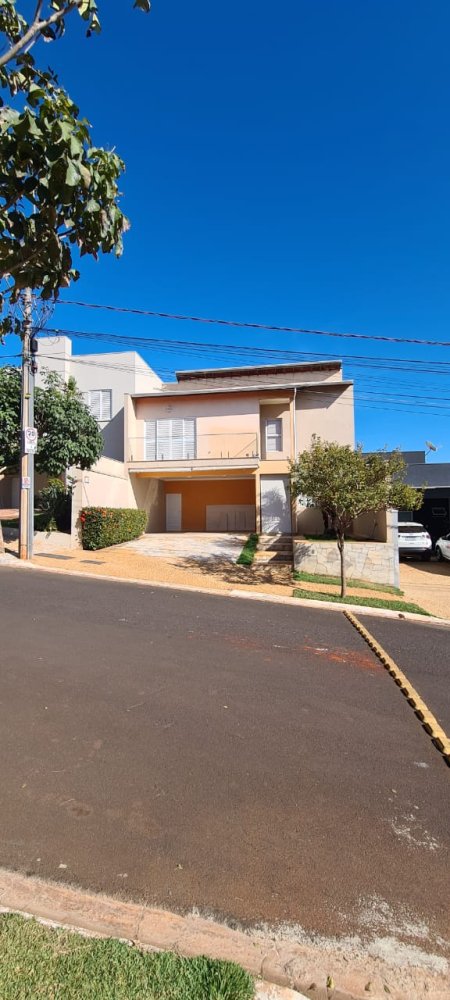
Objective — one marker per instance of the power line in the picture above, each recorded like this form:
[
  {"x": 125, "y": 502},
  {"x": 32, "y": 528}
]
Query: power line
[
  {"x": 253, "y": 326},
  {"x": 198, "y": 347},
  {"x": 360, "y": 395}
]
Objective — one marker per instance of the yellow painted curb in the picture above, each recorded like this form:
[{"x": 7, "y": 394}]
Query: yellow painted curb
[{"x": 428, "y": 720}]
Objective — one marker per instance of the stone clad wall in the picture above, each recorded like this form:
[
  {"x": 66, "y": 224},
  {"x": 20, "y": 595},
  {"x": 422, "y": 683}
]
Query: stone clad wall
[{"x": 376, "y": 562}]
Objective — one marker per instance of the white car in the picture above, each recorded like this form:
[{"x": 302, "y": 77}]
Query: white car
[
  {"x": 414, "y": 540},
  {"x": 443, "y": 547}
]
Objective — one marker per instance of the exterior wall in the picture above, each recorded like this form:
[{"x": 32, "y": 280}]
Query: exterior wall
[
  {"x": 149, "y": 495},
  {"x": 375, "y": 562},
  {"x": 276, "y": 411},
  {"x": 328, "y": 415},
  {"x": 227, "y": 426},
  {"x": 106, "y": 485},
  {"x": 122, "y": 372},
  {"x": 197, "y": 494}
]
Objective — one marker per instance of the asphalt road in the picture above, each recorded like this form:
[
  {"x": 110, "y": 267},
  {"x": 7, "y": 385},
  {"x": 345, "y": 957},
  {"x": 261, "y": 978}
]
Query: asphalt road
[
  {"x": 251, "y": 759},
  {"x": 423, "y": 653}
]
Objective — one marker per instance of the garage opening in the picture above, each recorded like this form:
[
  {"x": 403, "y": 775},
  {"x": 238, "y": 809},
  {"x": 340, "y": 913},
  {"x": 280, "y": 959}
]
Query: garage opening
[{"x": 210, "y": 504}]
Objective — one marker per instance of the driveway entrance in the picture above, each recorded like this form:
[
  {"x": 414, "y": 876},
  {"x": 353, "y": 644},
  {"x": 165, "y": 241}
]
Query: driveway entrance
[{"x": 200, "y": 546}]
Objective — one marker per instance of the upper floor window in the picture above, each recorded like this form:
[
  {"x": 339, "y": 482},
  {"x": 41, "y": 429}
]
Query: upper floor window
[
  {"x": 170, "y": 439},
  {"x": 274, "y": 435},
  {"x": 98, "y": 402}
]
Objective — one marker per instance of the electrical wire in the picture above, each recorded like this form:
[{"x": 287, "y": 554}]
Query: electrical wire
[{"x": 253, "y": 326}]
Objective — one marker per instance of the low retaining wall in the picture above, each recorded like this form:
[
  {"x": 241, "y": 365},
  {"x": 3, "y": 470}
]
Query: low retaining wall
[{"x": 374, "y": 562}]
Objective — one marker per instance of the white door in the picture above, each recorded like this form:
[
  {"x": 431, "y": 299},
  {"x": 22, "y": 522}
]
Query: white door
[
  {"x": 173, "y": 511},
  {"x": 275, "y": 505}
]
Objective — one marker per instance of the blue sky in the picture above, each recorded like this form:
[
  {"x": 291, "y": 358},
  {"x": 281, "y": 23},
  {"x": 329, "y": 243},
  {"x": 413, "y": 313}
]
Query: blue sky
[{"x": 286, "y": 163}]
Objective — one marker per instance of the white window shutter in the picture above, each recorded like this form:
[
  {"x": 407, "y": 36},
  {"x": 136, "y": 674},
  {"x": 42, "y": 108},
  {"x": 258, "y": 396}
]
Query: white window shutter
[
  {"x": 273, "y": 435},
  {"x": 105, "y": 405},
  {"x": 189, "y": 449},
  {"x": 150, "y": 440},
  {"x": 163, "y": 440},
  {"x": 95, "y": 403}
]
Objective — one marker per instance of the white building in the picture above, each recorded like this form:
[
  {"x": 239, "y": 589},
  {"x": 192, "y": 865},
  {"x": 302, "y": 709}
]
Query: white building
[{"x": 104, "y": 380}]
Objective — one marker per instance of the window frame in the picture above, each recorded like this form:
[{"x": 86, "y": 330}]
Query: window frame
[
  {"x": 277, "y": 436},
  {"x": 87, "y": 396},
  {"x": 169, "y": 441}
]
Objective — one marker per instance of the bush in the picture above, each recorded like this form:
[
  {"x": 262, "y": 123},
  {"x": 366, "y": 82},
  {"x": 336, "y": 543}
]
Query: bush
[
  {"x": 103, "y": 526},
  {"x": 55, "y": 502}
]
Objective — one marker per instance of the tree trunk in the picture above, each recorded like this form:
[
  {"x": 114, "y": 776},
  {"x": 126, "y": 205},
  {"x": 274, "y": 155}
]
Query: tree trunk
[{"x": 340, "y": 545}]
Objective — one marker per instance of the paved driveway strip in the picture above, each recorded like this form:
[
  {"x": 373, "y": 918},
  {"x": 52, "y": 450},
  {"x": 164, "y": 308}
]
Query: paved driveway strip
[
  {"x": 423, "y": 653},
  {"x": 183, "y": 749}
]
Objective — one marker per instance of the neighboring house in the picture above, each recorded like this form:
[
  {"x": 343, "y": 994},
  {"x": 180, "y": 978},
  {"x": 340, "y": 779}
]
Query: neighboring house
[
  {"x": 211, "y": 451},
  {"x": 103, "y": 379},
  {"x": 435, "y": 477}
]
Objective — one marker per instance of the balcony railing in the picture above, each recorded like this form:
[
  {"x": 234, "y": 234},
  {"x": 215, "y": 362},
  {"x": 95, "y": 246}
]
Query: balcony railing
[{"x": 205, "y": 448}]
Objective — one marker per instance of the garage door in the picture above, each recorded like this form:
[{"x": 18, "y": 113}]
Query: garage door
[{"x": 275, "y": 505}]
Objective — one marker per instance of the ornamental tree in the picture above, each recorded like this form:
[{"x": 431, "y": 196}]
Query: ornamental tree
[
  {"x": 59, "y": 194},
  {"x": 344, "y": 483},
  {"x": 68, "y": 433}
]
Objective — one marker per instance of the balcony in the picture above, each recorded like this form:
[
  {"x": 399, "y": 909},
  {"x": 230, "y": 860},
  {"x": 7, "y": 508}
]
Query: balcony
[{"x": 238, "y": 450}]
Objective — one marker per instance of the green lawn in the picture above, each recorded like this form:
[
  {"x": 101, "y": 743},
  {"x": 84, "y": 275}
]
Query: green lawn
[
  {"x": 42, "y": 963},
  {"x": 248, "y": 552},
  {"x": 360, "y": 584},
  {"x": 364, "y": 602}
]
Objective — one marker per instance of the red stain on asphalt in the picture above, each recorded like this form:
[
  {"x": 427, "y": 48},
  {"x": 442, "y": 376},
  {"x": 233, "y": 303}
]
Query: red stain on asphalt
[{"x": 361, "y": 660}]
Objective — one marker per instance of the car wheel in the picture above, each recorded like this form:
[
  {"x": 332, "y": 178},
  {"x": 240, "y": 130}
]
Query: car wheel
[{"x": 439, "y": 555}]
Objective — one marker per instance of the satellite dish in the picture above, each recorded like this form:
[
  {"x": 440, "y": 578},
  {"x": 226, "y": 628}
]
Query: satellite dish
[{"x": 431, "y": 446}]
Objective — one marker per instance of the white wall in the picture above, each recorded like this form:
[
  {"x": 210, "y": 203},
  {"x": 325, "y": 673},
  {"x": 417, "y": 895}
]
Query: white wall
[
  {"x": 122, "y": 372},
  {"x": 106, "y": 485}
]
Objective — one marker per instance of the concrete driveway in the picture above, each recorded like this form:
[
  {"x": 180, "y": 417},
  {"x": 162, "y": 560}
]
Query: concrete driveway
[
  {"x": 199, "y": 546},
  {"x": 427, "y": 584}
]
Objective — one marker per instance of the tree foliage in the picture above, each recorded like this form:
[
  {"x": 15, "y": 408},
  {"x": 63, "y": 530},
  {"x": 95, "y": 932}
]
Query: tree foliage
[
  {"x": 59, "y": 193},
  {"x": 68, "y": 433},
  {"x": 344, "y": 483}
]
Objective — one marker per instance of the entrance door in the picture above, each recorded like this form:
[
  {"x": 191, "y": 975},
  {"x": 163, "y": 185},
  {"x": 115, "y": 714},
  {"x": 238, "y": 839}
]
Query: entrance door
[
  {"x": 173, "y": 511},
  {"x": 275, "y": 505}
]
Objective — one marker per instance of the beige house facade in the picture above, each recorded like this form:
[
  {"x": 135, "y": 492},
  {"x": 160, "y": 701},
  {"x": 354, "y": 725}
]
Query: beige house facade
[{"x": 211, "y": 451}]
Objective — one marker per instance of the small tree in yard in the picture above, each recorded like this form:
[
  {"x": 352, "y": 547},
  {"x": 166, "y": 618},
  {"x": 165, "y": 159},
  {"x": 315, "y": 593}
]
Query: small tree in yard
[{"x": 344, "y": 483}]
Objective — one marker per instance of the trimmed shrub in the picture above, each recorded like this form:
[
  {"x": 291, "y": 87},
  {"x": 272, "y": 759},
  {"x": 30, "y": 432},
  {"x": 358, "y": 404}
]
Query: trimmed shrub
[{"x": 103, "y": 526}]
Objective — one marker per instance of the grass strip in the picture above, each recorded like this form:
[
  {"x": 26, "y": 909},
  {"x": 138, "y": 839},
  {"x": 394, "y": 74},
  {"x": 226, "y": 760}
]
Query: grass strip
[
  {"x": 361, "y": 584},
  {"x": 50, "y": 964},
  {"x": 363, "y": 602},
  {"x": 248, "y": 552}
]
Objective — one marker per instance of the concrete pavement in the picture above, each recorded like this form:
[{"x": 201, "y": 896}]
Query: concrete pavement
[{"x": 188, "y": 750}]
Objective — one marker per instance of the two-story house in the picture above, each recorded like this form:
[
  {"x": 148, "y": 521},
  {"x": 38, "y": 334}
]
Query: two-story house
[{"x": 211, "y": 451}]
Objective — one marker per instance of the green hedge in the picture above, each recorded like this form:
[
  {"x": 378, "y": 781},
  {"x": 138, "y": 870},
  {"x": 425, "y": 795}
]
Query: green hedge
[{"x": 103, "y": 526}]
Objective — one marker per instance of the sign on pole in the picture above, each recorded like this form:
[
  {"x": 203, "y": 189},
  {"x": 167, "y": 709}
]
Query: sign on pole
[
  {"x": 26, "y": 482},
  {"x": 30, "y": 440}
]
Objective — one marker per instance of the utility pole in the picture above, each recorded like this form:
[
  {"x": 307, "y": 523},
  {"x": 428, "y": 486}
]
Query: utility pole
[{"x": 26, "y": 514}]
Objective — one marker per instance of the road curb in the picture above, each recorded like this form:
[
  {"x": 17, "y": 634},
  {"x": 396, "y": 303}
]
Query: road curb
[
  {"x": 286, "y": 972},
  {"x": 428, "y": 720},
  {"x": 242, "y": 594}
]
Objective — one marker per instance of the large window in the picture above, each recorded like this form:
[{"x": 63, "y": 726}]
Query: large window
[
  {"x": 170, "y": 439},
  {"x": 274, "y": 440},
  {"x": 98, "y": 402}
]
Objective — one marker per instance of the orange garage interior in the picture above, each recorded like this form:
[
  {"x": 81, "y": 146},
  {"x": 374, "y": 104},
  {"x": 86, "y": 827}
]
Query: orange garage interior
[{"x": 197, "y": 494}]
